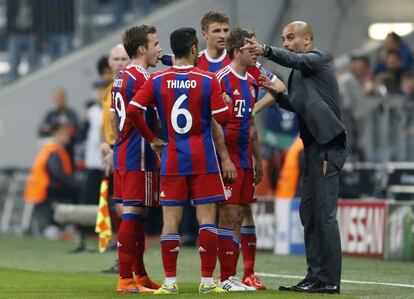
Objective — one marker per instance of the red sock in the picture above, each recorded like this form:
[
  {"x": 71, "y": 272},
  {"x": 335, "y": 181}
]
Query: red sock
[
  {"x": 208, "y": 242},
  {"x": 170, "y": 246},
  {"x": 236, "y": 244},
  {"x": 127, "y": 239},
  {"x": 248, "y": 243},
  {"x": 139, "y": 267},
  {"x": 225, "y": 252}
]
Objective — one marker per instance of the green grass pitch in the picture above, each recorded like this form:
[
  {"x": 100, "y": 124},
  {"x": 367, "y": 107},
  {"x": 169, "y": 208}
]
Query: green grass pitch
[{"x": 37, "y": 268}]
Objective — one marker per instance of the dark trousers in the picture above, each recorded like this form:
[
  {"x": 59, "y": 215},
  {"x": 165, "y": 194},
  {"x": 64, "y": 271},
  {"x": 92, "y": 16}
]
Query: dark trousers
[{"x": 318, "y": 207}]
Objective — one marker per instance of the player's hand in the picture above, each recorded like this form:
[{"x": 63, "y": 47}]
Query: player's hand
[
  {"x": 253, "y": 46},
  {"x": 258, "y": 172},
  {"x": 226, "y": 98},
  {"x": 253, "y": 133},
  {"x": 266, "y": 84},
  {"x": 229, "y": 171},
  {"x": 108, "y": 160},
  {"x": 157, "y": 145}
]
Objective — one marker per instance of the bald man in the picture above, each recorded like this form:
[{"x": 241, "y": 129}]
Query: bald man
[
  {"x": 118, "y": 60},
  {"x": 313, "y": 94}
]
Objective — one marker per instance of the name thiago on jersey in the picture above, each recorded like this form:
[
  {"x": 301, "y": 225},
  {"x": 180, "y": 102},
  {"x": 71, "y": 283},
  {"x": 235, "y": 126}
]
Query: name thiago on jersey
[{"x": 181, "y": 83}]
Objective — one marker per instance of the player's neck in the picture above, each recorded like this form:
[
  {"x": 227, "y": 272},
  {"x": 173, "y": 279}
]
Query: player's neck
[
  {"x": 214, "y": 53},
  {"x": 141, "y": 62},
  {"x": 240, "y": 69},
  {"x": 184, "y": 61}
]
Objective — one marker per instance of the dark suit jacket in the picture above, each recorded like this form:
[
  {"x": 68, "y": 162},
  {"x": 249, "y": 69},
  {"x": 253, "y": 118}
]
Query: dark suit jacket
[{"x": 312, "y": 93}]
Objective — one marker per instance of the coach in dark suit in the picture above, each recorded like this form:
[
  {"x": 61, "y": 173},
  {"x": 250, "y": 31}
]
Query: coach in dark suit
[{"x": 313, "y": 95}]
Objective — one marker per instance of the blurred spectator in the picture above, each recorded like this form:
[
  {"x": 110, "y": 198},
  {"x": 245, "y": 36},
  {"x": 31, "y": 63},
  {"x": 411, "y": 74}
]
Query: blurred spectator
[
  {"x": 104, "y": 70},
  {"x": 51, "y": 177},
  {"x": 61, "y": 114},
  {"x": 354, "y": 85},
  {"x": 58, "y": 26},
  {"x": 93, "y": 175},
  {"x": 407, "y": 88},
  {"x": 393, "y": 42},
  {"x": 23, "y": 19},
  {"x": 279, "y": 129},
  {"x": 289, "y": 184}
]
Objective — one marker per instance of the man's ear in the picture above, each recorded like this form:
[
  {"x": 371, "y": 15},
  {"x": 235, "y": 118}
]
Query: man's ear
[
  {"x": 307, "y": 38},
  {"x": 141, "y": 50},
  {"x": 194, "y": 49}
]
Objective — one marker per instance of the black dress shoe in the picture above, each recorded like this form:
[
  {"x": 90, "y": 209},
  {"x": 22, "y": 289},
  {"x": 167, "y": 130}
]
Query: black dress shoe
[
  {"x": 323, "y": 288},
  {"x": 297, "y": 287}
]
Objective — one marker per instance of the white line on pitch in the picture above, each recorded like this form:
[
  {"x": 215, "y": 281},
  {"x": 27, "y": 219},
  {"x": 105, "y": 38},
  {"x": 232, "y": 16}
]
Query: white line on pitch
[{"x": 343, "y": 280}]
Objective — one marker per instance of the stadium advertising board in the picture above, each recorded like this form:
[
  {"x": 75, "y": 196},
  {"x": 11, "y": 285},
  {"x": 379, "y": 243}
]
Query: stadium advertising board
[
  {"x": 362, "y": 227},
  {"x": 265, "y": 224},
  {"x": 400, "y": 231},
  {"x": 289, "y": 230}
]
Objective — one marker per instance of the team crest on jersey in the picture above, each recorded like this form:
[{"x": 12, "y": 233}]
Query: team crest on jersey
[
  {"x": 253, "y": 92},
  {"x": 162, "y": 194},
  {"x": 228, "y": 192}
]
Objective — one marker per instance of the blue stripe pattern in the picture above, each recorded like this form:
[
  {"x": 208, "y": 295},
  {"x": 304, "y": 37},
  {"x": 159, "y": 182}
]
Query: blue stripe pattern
[
  {"x": 182, "y": 141},
  {"x": 205, "y": 200},
  {"x": 214, "y": 66},
  {"x": 225, "y": 233},
  {"x": 208, "y": 227},
  {"x": 132, "y": 203},
  {"x": 170, "y": 237},
  {"x": 150, "y": 156},
  {"x": 211, "y": 161},
  {"x": 161, "y": 113},
  {"x": 248, "y": 230},
  {"x": 117, "y": 200},
  {"x": 236, "y": 241},
  {"x": 133, "y": 216},
  {"x": 244, "y": 126},
  {"x": 172, "y": 202}
]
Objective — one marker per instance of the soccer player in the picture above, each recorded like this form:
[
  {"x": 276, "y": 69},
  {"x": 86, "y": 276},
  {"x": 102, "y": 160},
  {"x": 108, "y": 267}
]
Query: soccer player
[
  {"x": 215, "y": 29},
  {"x": 186, "y": 99},
  {"x": 240, "y": 85},
  {"x": 135, "y": 164}
]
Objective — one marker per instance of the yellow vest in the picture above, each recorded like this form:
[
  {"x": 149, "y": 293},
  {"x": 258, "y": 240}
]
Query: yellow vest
[{"x": 107, "y": 131}]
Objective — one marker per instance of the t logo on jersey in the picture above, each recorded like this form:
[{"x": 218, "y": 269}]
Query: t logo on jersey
[{"x": 240, "y": 107}]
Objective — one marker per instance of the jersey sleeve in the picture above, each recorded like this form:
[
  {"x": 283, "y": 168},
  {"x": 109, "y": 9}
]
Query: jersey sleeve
[
  {"x": 258, "y": 70},
  {"x": 144, "y": 98},
  {"x": 220, "y": 109}
]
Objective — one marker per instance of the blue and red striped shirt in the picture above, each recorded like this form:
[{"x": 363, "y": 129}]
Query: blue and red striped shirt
[
  {"x": 186, "y": 98},
  {"x": 131, "y": 151},
  {"x": 243, "y": 92}
]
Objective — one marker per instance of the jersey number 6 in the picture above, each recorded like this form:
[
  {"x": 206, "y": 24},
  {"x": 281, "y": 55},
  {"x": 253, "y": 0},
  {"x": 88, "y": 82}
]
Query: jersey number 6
[{"x": 176, "y": 112}]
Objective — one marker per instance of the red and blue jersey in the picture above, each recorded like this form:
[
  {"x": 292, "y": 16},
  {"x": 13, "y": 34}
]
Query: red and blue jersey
[
  {"x": 205, "y": 62},
  {"x": 212, "y": 65},
  {"x": 186, "y": 98},
  {"x": 243, "y": 92},
  {"x": 131, "y": 151}
]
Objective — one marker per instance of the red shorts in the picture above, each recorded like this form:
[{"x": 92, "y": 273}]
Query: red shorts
[
  {"x": 241, "y": 192},
  {"x": 201, "y": 188},
  {"x": 136, "y": 188}
]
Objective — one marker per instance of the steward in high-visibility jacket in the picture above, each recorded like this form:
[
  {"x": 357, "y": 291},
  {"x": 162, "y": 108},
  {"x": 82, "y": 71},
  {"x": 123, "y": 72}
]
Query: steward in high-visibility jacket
[
  {"x": 289, "y": 183},
  {"x": 51, "y": 175}
]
